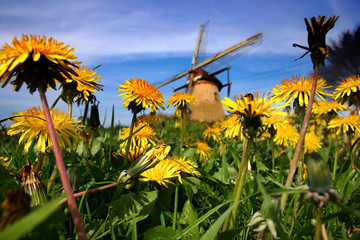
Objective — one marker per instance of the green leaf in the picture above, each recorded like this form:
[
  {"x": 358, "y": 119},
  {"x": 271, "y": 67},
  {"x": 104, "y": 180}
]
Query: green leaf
[
  {"x": 135, "y": 204},
  {"x": 200, "y": 220},
  {"x": 159, "y": 233},
  {"x": 30, "y": 221},
  {"x": 191, "y": 216},
  {"x": 96, "y": 146}
]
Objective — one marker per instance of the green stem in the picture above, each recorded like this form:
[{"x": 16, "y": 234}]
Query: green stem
[
  {"x": 300, "y": 143},
  {"x": 182, "y": 129},
  {"x": 336, "y": 159},
  {"x": 83, "y": 121},
  {"x": 70, "y": 106},
  {"x": 318, "y": 224},
  {"x": 175, "y": 205},
  {"x": 330, "y": 145},
  {"x": 52, "y": 179},
  {"x": 230, "y": 220},
  {"x": 129, "y": 138},
  {"x": 273, "y": 153}
]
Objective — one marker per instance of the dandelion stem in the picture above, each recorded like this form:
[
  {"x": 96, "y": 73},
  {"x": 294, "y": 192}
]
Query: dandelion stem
[
  {"x": 129, "y": 139},
  {"x": 318, "y": 224},
  {"x": 182, "y": 128},
  {"x": 40, "y": 161},
  {"x": 230, "y": 220},
  {"x": 175, "y": 205},
  {"x": 62, "y": 169},
  {"x": 83, "y": 121},
  {"x": 335, "y": 160},
  {"x": 300, "y": 143}
]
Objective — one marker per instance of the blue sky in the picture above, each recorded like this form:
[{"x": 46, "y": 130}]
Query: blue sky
[{"x": 155, "y": 40}]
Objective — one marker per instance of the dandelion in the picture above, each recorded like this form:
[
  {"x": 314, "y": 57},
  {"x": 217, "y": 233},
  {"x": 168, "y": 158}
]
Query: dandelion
[
  {"x": 286, "y": 135},
  {"x": 298, "y": 89},
  {"x": 273, "y": 122},
  {"x": 347, "y": 125},
  {"x": 312, "y": 143},
  {"x": 213, "y": 132},
  {"x": 143, "y": 135},
  {"x": 184, "y": 165},
  {"x": 32, "y": 124},
  {"x": 348, "y": 91},
  {"x": 4, "y": 161},
  {"x": 203, "y": 150},
  {"x": 251, "y": 108},
  {"x": 137, "y": 94},
  {"x": 180, "y": 99},
  {"x": 328, "y": 109},
  {"x": 232, "y": 127},
  {"x": 37, "y": 61},
  {"x": 162, "y": 173}
]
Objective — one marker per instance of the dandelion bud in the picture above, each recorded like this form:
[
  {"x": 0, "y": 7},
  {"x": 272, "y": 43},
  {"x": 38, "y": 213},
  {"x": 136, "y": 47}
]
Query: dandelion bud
[
  {"x": 32, "y": 185},
  {"x": 94, "y": 122},
  {"x": 319, "y": 179}
]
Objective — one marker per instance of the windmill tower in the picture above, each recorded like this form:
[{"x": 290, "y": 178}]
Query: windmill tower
[{"x": 205, "y": 86}]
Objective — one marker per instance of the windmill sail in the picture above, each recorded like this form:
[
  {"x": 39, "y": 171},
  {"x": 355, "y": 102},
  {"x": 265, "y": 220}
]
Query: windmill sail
[{"x": 233, "y": 52}]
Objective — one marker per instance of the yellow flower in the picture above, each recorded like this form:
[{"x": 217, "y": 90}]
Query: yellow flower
[
  {"x": 298, "y": 88},
  {"x": 36, "y": 61},
  {"x": 232, "y": 127},
  {"x": 31, "y": 124},
  {"x": 86, "y": 82},
  {"x": 203, "y": 150},
  {"x": 286, "y": 135},
  {"x": 143, "y": 135},
  {"x": 251, "y": 108},
  {"x": 180, "y": 99},
  {"x": 328, "y": 108},
  {"x": 4, "y": 161},
  {"x": 274, "y": 121},
  {"x": 135, "y": 151},
  {"x": 162, "y": 173},
  {"x": 312, "y": 143},
  {"x": 213, "y": 132},
  {"x": 348, "y": 90},
  {"x": 348, "y": 124},
  {"x": 137, "y": 94},
  {"x": 184, "y": 165}
]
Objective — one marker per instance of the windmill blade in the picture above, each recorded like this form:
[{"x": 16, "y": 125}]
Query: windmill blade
[
  {"x": 235, "y": 50},
  {"x": 201, "y": 43}
]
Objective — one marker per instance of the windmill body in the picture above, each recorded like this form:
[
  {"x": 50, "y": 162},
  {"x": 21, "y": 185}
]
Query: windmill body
[{"x": 206, "y": 90}]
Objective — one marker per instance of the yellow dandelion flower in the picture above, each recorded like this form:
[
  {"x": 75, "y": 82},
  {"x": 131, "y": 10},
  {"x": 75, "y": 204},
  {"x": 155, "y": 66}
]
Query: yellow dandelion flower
[
  {"x": 348, "y": 124},
  {"x": 86, "y": 82},
  {"x": 180, "y": 99},
  {"x": 184, "y": 165},
  {"x": 162, "y": 173},
  {"x": 251, "y": 108},
  {"x": 286, "y": 135},
  {"x": 143, "y": 134},
  {"x": 4, "y": 161},
  {"x": 203, "y": 150},
  {"x": 135, "y": 151},
  {"x": 213, "y": 132},
  {"x": 298, "y": 89},
  {"x": 274, "y": 121},
  {"x": 32, "y": 124},
  {"x": 138, "y": 94},
  {"x": 35, "y": 60},
  {"x": 328, "y": 108},
  {"x": 232, "y": 127},
  {"x": 348, "y": 90},
  {"x": 312, "y": 143}
]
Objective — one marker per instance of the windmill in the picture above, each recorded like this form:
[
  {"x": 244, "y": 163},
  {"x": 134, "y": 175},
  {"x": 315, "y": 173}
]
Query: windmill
[{"x": 205, "y": 86}]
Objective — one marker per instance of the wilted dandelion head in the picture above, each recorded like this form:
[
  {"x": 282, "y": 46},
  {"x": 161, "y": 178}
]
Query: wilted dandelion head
[
  {"x": 138, "y": 94},
  {"x": 32, "y": 124},
  {"x": 37, "y": 61}
]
